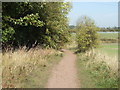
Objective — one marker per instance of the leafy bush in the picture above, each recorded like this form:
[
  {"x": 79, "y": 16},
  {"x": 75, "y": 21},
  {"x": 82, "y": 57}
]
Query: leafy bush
[
  {"x": 31, "y": 24},
  {"x": 87, "y": 37}
]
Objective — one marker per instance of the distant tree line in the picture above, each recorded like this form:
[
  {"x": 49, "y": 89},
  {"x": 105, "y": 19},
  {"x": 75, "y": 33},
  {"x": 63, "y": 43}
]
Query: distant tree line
[
  {"x": 107, "y": 29},
  {"x": 34, "y": 23}
]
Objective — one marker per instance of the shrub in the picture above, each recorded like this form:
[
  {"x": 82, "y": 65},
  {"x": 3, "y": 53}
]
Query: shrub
[{"x": 87, "y": 36}]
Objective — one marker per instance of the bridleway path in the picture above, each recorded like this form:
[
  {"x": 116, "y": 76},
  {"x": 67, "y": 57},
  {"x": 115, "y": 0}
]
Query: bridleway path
[{"x": 64, "y": 75}]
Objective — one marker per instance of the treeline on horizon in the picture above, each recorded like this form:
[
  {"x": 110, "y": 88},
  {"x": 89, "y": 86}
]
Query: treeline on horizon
[
  {"x": 34, "y": 23},
  {"x": 107, "y": 29}
]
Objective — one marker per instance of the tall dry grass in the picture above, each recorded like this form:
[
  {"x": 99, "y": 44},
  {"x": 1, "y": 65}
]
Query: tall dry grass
[
  {"x": 102, "y": 69},
  {"x": 19, "y": 64},
  {"x": 111, "y": 62}
]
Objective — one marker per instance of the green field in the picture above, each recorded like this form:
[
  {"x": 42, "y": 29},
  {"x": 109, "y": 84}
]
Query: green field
[
  {"x": 110, "y": 49},
  {"x": 108, "y": 35},
  {"x": 103, "y": 35}
]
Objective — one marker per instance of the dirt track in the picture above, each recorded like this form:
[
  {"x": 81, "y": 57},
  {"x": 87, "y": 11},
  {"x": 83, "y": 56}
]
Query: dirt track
[{"x": 64, "y": 75}]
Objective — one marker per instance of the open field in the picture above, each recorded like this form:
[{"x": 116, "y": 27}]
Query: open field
[
  {"x": 108, "y": 35},
  {"x": 110, "y": 49}
]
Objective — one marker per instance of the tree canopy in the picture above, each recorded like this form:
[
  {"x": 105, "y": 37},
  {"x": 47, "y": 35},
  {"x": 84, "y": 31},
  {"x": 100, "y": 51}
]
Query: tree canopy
[
  {"x": 87, "y": 36},
  {"x": 35, "y": 23}
]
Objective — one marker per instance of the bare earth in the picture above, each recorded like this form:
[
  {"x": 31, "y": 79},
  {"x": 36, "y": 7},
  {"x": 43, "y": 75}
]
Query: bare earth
[{"x": 64, "y": 75}]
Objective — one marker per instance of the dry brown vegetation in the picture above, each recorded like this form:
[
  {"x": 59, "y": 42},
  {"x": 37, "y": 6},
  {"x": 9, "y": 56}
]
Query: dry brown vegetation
[
  {"x": 111, "y": 62},
  {"x": 18, "y": 65},
  {"x": 100, "y": 70}
]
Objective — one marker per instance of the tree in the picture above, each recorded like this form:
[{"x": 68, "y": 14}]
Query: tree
[
  {"x": 87, "y": 37},
  {"x": 35, "y": 23}
]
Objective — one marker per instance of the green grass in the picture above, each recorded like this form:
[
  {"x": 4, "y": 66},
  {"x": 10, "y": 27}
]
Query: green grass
[
  {"x": 110, "y": 49},
  {"x": 102, "y": 35},
  {"x": 84, "y": 77},
  {"x": 93, "y": 73},
  {"x": 108, "y": 35}
]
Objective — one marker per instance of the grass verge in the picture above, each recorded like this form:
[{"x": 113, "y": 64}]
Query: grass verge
[
  {"x": 97, "y": 71},
  {"x": 30, "y": 69},
  {"x": 108, "y": 35}
]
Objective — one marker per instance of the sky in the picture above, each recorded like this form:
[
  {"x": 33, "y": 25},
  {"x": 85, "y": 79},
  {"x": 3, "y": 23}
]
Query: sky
[{"x": 105, "y": 14}]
